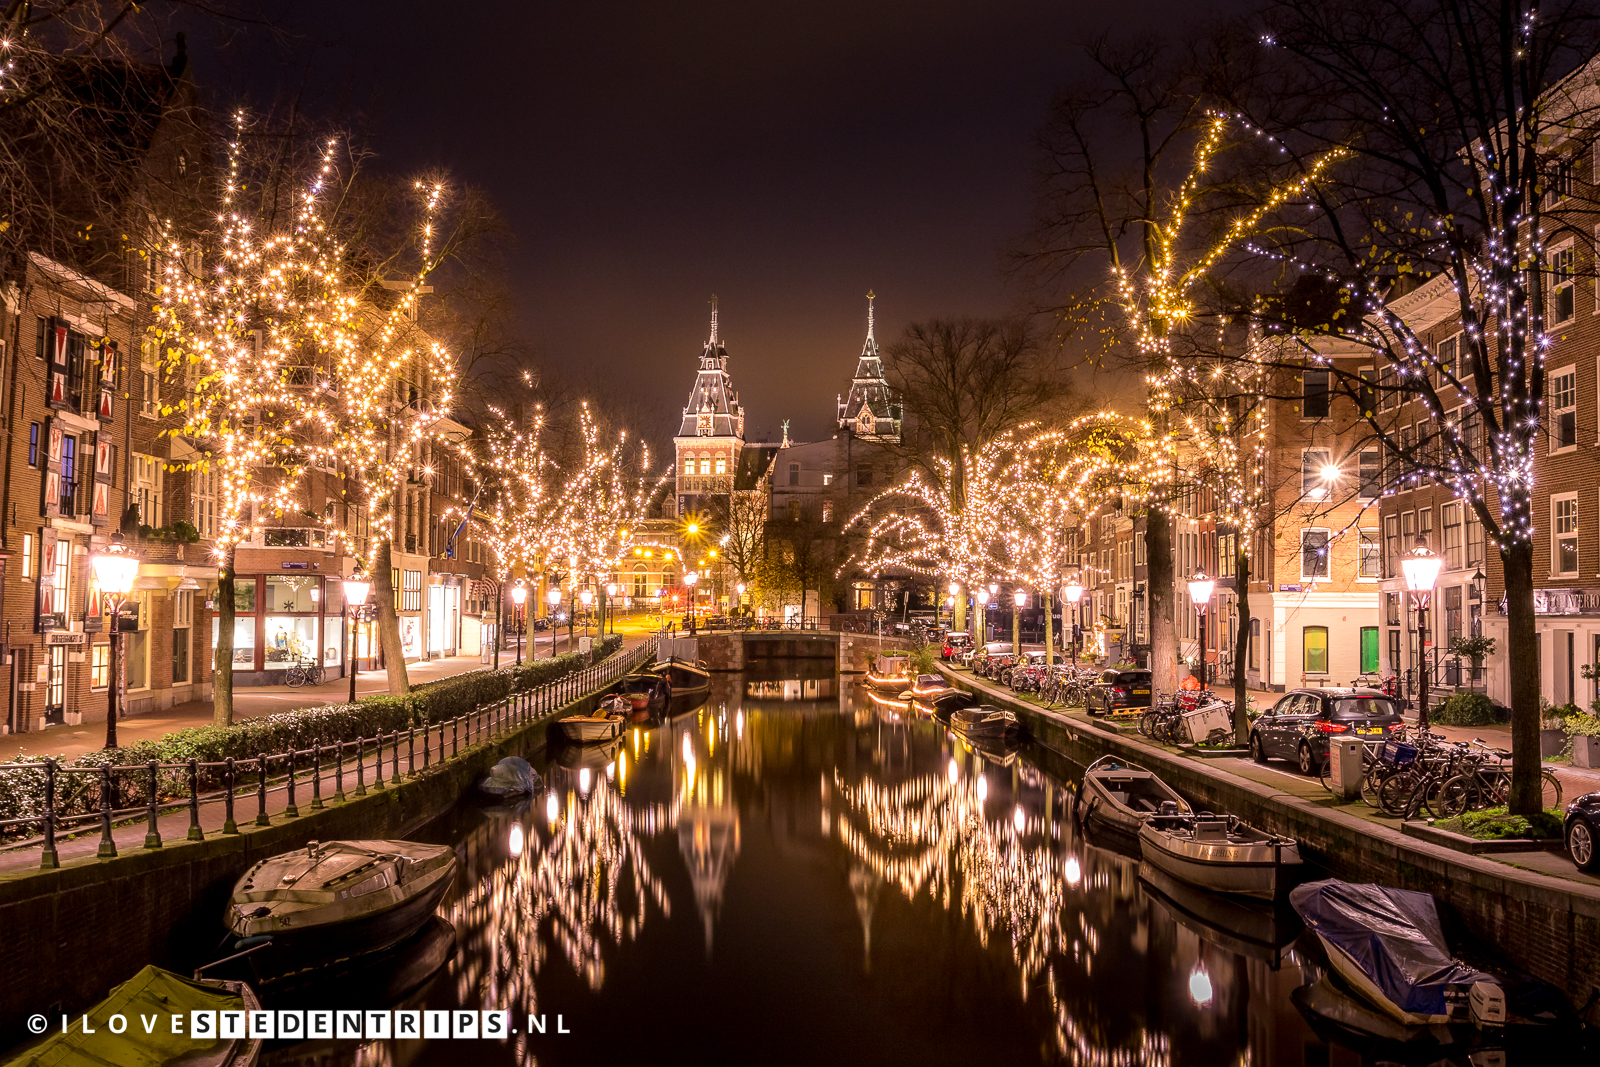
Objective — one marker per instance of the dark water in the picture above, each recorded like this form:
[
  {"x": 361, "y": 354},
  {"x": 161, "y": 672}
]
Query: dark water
[{"x": 795, "y": 872}]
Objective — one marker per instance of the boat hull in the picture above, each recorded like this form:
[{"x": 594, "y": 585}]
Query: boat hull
[
  {"x": 1356, "y": 978},
  {"x": 888, "y": 683},
  {"x": 685, "y": 678},
  {"x": 585, "y": 730},
  {"x": 1243, "y": 869},
  {"x": 1100, "y": 809}
]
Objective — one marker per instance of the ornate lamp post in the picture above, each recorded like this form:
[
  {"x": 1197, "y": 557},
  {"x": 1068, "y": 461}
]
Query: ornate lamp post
[
  {"x": 1072, "y": 592},
  {"x": 1421, "y": 568},
  {"x": 587, "y": 597},
  {"x": 554, "y": 597},
  {"x": 519, "y": 593},
  {"x": 1200, "y": 590},
  {"x": 1021, "y": 597},
  {"x": 356, "y": 589},
  {"x": 115, "y": 571}
]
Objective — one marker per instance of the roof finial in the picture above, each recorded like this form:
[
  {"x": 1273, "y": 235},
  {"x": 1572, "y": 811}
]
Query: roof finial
[
  {"x": 869, "y": 315},
  {"x": 785, "y": 443},
  {"x": 713, "y": 320}
]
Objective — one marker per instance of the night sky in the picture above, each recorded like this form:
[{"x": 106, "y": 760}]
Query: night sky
[{"x": 648, "y": 155}]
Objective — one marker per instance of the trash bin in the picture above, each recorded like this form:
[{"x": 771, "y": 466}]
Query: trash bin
[
  {"x": 1347, "y": 766},
  {"x": 1203, "y": 722}
]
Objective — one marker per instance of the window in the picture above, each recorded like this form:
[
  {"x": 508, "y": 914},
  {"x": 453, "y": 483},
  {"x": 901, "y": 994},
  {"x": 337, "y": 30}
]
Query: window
[
  {"x": 638, "y": 580},
  {"x": 1255, "y": 644},
  {"x": 1455, "y": 556},
  {"x": 205, "y": 503},
  {"x": 1391, "y": 608},
  {"x": 827, "y": 479},
  {"x": 794, "y": 474},
  {"x": 27, "y": 555},
  {"x": 1425, "y": 526},
  {"x": 413, "y": 592},
  {"x": 1315, "y": 640},
  {"x": 1558, "y": 183},
  {"x": 1371, "y": 476},
  {"x": 1445, "y": 351},
  {"x": 182, "y": 627},
  {"x": 147, "y": 481},
  {"x": 1316, "y": 399},
  {"x": 99, "y": 666},
  {"x": 1369, "y": 565},
  {"x": 1563, "y": 408},
  {"x": 1313, "y": 483},
  {"x": 1474, "y": 538},
  {"x": 1564, "y": 534},
  {"x": 722, "y": 464},
  {"x": 688, "y": 466},
  {"x": 1562, "y": 273},
  {"x": 33, "y": 444},
  {"x": 1369, "y": 650},
  {"x": 827, "y": 511},
  {"x": 864, "y": 476},
  {"x": 149, "y": 398},
  {"x": 705, "y": 466},
  {"x": 1452, "y": 616},
  {"x": 1394, "y": 651},
  {"x": 1313, "y": 553},
  {"x": 1391, "y": 545},
  {"x": 69, "y": 472}
]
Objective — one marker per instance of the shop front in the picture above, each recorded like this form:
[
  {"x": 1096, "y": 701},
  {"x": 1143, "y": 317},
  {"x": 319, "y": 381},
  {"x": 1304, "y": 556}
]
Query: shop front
[{"x": 284, "y": 619}]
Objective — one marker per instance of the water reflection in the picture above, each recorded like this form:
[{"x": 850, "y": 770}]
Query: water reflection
[{"x": 853, "y": 885}]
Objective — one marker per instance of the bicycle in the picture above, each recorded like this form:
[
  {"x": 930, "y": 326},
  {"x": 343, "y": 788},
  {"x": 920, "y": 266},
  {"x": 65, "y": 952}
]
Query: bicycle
[
  {"x": 302, "y": 672},
  {"x": 1486, "y": 783}
]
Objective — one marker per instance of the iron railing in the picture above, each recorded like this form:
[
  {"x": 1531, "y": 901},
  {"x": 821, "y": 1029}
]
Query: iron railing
[{"x": 172, "y": 787}]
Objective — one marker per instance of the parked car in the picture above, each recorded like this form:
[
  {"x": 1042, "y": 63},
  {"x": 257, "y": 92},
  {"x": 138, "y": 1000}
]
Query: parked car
[
  {"x": 1118, "y": 690},
  {"x": 955, "y": 642},
  {"x": 1583, "y": 830},
  {"x": 988, "y": 650},
  {"x": 1298, "y": 727}
]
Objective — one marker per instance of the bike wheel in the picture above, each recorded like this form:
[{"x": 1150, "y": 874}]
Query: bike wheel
[
  {"x": 1456, "y": 796},
  {"x": 1395, "y": 792},
  {"x": 294, "y": 678},
  {"x": 1325, "y": 773},
  {"x": 317, "y": 675},
  {"x": 1549, "y": 790}
]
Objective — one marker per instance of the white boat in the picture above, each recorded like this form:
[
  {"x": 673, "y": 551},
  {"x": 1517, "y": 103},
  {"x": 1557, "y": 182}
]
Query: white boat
[
  {"x": 1117, "y": 795},
  {"x": 337, "y": 900},
  {"x": 603, "y": 725},
  {"x": 1219, "y": 853},
  {"x": 892, "y": 674},
  {"x": 985, "y": 720}
]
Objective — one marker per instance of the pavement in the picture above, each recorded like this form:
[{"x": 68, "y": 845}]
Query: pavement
[{"x": 252, "y": 701}]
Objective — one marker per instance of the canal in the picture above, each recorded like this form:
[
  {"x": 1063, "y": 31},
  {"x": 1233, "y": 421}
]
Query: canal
[{"x": 795, "y": 871}]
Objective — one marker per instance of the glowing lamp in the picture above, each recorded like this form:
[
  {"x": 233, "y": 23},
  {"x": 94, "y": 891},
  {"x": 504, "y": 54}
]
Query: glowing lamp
[
  {"x": 519, "y": 593},
  {"x": 1201, "y": 588},
  {"x": 994, "y": 589},
  {"x": 1021, "y": 597},
  {"x": 115, "y": 569},
  {"x": 316, "y": 594},
  {"x": 554, "y": 596},
  {"x": 1421, "y": 567},
  {"x": 1073, "y": 591},
  {"x": 585, "y": 597},
  {"x": 690, "y": 578},
  {"x": 611, "y": 589}
]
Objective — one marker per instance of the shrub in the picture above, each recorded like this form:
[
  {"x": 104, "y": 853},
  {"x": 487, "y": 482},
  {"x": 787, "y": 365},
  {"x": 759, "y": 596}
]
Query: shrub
[
  {"x": 1578, "y": 726},
  {"x": 924, "y": 660},
  {"x": 1465, "y": 709},
  {"x": 1494, "y": 824}
]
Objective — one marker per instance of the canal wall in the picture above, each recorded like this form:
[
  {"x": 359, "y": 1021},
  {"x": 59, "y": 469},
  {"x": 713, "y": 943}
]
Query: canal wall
[
  {"x": 91, "y": 922},
  {"x": 1548, "y": 926}
]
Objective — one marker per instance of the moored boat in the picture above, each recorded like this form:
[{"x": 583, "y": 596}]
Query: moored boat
[
  {"x": 603, "y": 725},
  {"x": 337, "y": 899},
  {"x": 890, "y": 673},
  {"x": 644, "y": 687},
  {"x": 927, "y": 686},
  {"x": 984, "y": 721},
  {"x": 1119, "y": 796},
  {"x": 678, "y": 661},
  {"x": 1220, "y": 853},
  {"x": 943, "y": 705},
  {"x": 156, "y": 993}
]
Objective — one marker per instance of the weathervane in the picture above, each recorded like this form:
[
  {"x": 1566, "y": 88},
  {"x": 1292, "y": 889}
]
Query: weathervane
[{"x": 785, "y": 443}]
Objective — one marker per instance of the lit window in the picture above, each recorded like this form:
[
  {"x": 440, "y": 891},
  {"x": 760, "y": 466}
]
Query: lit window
[
  {"x": 1563, "y": 408},
  {"x": 1316, "y": 649},
  {"x": 99, "y": 666},
  {"x": 1564, "y": 537},
  {"x": 1314, "y": 465},
  {"x": 722, "y": 465},
  {"x": 705, "y": 466},
  {"x": 27, "y": 555}
]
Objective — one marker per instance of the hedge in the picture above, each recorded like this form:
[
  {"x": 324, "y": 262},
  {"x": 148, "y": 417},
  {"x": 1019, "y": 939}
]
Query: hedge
[
  {"x": 22, "y": 794},
  {"x": 1465, "y": 709}
]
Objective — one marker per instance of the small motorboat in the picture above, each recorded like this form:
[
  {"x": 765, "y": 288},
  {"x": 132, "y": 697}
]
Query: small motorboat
[
  {"x": 1119, "y": 796},
  {"x": 603, "y": 725},
  {"x": 645, "y": 687},
  {"x": 155, "y": 993},
  {"x": 890, "y": 673},
  {"x": 336, "y": 900},
  {"x": 678, "y": 661},
  {"x": 1387, "y": 945},
  {"x": 1218, "y": 852},
  {"x": 984, "y": 720},
  {"x": 927, "y": 686},
  {"x": 945, "y": 704}
]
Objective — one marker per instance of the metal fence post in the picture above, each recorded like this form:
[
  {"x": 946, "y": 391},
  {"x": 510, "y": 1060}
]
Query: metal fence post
[
  {"x": 316, "y": 776},
  {"x": 455, "y": 736},
  {"x": 228, "y": 825},
  {"x": 377, "y": 777},
  {"x": 152, "y": 835},
  {"x": 361, "y": 772},
  {"x": 261, "y": 792},
  {"x": 411, "y": 752},
  {"x": 108, "y": 847},
  {"x": 195, "y": 833},
  {"x": 338, "y": 782},
  {"x": 290, "y": 809},
  {"x": 48, "y": 858},
  {"x": 394, "y": 775},
  {"x": 427, "y": 737}
]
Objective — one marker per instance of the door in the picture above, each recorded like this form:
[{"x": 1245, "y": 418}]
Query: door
[
  {"x": 55, "y": 699},
  {"x": 1289, "y": 722},
  {"x": 1369, "y": 650}
]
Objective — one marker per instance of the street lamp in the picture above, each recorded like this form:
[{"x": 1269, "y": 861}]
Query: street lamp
[
  {"x": 356, "y": 588},
  {"x": 689, "y": 579},
  {"x": 587, "y": 597},
  {"x": 611, "y": 605},
  {"x": 1021, "y": 597},
  {"x": 1072, "y": 592},
  {"x": 955, "y": 590},
  {"x": 115, "y": 571},
  {"x": 1200, "y": 590},
  {"x": 1421, "y": 569},
  {"x": 554, "y": 597},
  {"x": 519, "y": 593}
]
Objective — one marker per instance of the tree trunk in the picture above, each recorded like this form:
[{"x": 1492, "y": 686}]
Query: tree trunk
[
  {"x": 1049, "y": 632},
  {"x": 1241, "y": 648},
  {"x": 1016, "y": 631},
  {"x": 394, "y": 653},
  {"x": 1522, "y": 657},
  {"x": 958, "y": 620},
  {"x": 1159, "y": 595},
  {"x": 222, "y": 666}
]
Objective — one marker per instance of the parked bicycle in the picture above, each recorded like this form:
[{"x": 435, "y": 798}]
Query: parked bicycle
[{"x": 303, "y": 672}]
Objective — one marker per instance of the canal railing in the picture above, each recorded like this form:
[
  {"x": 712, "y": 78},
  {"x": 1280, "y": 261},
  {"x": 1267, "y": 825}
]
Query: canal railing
[{"x": 168, "y": 788}]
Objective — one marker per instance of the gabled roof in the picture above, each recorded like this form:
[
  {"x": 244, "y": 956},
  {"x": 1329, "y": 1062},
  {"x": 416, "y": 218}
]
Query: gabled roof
[
  {"x": 713, "y": 409},
  {"x": 872, "y": 409}
]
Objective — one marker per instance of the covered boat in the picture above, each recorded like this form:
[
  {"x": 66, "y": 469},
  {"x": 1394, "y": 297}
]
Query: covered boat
[
  {"x": 337, "y": 899},
  {"x": 1388, "y": 947},
  {"x": 154, "y": 992},
  {"x": 927, "y": 686},
  {"x": 984, "y": 720},
  {"x": 1119, "y": 796},
  {"x": 1218, "y": 852},
  {"x": 943, "y": 705},
  {"x": 678, "y": 661},
  {"x": 644, "y": 687},
  {"x": 890, "y": 673},
  {"x": 603, "y": 725},
  {"x": 511, "y": 777}
]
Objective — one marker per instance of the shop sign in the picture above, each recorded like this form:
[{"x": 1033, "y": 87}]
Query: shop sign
[
  {"x": 1288, "y": 588},
  {"x": 301, "y": 566},
  {"x": 1562, "y": 602},
  {"x": 63, "y": 637}
]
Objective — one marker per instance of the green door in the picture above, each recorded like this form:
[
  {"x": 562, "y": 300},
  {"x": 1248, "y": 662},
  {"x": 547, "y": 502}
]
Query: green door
[{"x": 1369, "y": 650}]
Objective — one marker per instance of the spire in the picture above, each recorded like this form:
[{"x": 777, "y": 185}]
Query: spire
[
  {"x": 870, "y": 338},
  {"x": 713, "y": 320}
]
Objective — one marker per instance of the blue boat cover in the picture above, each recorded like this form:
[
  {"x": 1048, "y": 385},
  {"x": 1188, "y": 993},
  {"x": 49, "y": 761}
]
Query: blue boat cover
[{"x": 1393, "y": 935}]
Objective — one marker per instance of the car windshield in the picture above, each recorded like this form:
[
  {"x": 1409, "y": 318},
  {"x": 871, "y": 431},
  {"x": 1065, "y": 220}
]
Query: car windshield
[{"x": 1363, "y": 708}]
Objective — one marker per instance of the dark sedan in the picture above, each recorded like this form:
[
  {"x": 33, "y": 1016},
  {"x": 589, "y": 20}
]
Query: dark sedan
[
  {"x": 1583, "y": 827},
  {"x": 1116, "y": 691},
  {"x": 1299, "y": 726}
]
